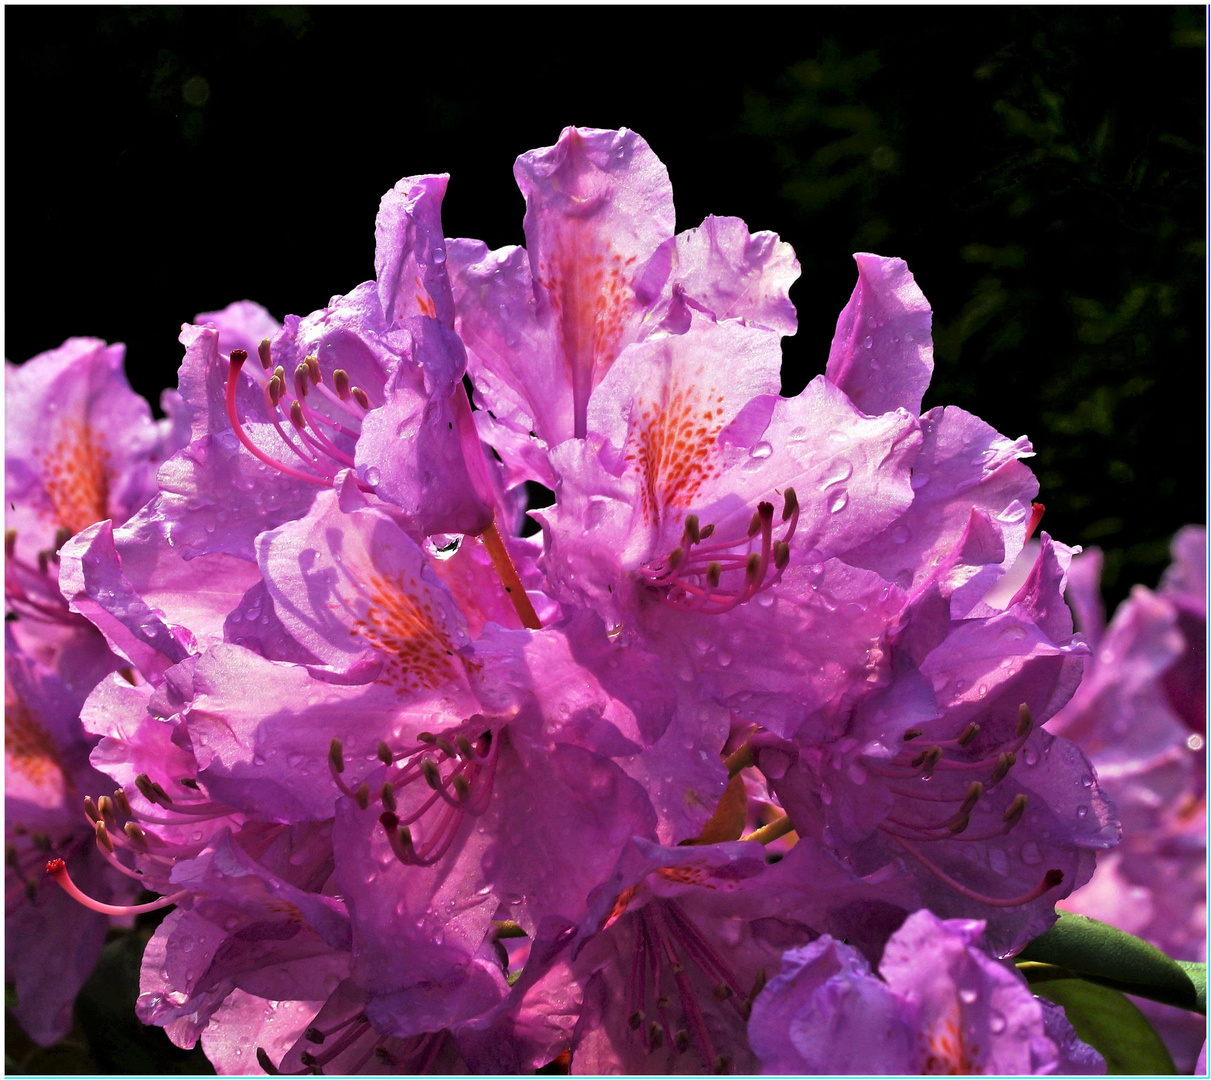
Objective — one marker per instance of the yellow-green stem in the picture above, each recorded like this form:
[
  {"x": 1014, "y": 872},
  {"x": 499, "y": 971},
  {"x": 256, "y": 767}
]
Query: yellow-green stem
[{"x": 508, "y": 577}]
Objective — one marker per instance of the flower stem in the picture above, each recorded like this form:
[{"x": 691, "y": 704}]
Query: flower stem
[{"x": 508, "y": 577}]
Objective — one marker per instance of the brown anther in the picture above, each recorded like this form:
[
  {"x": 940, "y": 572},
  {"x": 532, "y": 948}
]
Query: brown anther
[
  {"x": 912, "y": 733},
  {"x": 446, "y": 746},
  {"x": 713, "y": 572},
  {"x": 1015, "y": 811},
  {"x": 296, "y": 415},
  {"x": 465, "y": 750},
  {"x": 302, "y": 380},
  {"x": 10, "y": 542},
  {"x": 360, "y": 396},
  {"x": 752, "y": 567},
  {"x": 754, "y": 526},
  {"x": 90, "y": 809},
  {"x": 314, "y": 1035},
  {"x": 336, "y": 756},
  {"x": 103, "y": 837},
  {"x": 655, "y": 1035},
  {"x": 41, "y": 841},
  {"x": 388, "y": 819},
  {"x": 264, "y": 354},
  {"x": 675, "y": 557},
  {"x": 10, "y": 856},
  {"x": 105, "y": 811},
  {"x": 662, "y": 1002},
  {"x": 1025, "y": 720},
  {"x": 276, "y": 389},
  {"x": 279, "y": 373},
  {"x": 384, "y": 754},
  {"x": 956, "y": 827},
  {"x": 340, "y": 381},
  {"x": 362, "y": 795},
  {"x": 681, "y": 1040},
  {"x": 1004, "y": 763},
  {"x": 722, "y": 992},
  {"x": 932, "y": 756},
  {"x": 462, "y": 787},
  {"x": 190, "y": 783},
  {"x": 968, "y": 733},
  {"x": 43, "y": 563},
  {"x": 428, "y": 769},
  {"x": 307, "y": 1059},
  {"x": 31, "y": 889},
  {"x": 974, "y": 790},
  {"x": 426, "y": 737},
  {"x": 758, "y": 985},
  {"x": 62, "y": 536},
  {"x": 635, "y": 1019},
  {"x": 262, "y": 1059},
  {"x": 134, "y": 834},
  {"x": 705, "y": 532},
  {"x": 723, "y": 1064},
  {"x": 692, "y": 534},
  {"x": 313, "y": 369},
  {"x": 388, "y": 796},
  {"x": 677, "y": 968},
  {"x": 782, "y": 554},
  {"x": 790, "y": 503}
]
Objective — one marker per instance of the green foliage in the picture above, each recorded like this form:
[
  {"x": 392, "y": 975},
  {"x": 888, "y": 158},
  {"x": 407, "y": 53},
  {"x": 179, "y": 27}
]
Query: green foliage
[{"x": 1111, "y": 1024}]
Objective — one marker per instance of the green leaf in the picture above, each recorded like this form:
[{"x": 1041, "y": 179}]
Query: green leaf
[
  {"x": 1111, "y": 1024},
  {"x": 1098, "y": 953}
]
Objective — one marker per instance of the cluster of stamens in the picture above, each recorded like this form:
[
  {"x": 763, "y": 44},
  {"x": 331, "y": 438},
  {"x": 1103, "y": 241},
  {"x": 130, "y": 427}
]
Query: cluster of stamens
[
  {"x": 457, "y": 767},
  {"x": 152, "y": 857},
  {"x": 716, "y": 576},
  {"x": 362, "y": 1045},
  {"x": 916, "y": 818},
  {"x": 32, "y": 592},
  {"x": 666, "y": 940},
  {"x": 286, "y": 403}
]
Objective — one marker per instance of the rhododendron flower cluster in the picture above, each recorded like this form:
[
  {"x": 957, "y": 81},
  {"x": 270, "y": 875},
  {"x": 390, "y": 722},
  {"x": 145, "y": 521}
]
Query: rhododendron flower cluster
[{"x": 730, "y": 762}]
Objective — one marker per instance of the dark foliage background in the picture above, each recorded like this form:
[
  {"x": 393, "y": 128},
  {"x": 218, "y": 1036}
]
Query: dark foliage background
[{"x": 1042, "y": 171}]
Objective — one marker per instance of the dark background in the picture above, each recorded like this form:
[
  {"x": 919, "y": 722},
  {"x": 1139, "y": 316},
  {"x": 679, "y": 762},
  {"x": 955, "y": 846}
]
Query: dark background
[{"x": 1041, "y": 170}]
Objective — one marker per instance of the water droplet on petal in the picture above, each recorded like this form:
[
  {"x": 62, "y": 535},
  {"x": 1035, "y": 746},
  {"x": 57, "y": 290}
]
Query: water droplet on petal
[
  {"x": 867, "y": 341},
  {"x": 439, "y": 255},
  {"x": 968, "y": 997},
  {"x": 838, "y": 502},
  {"x": 1082, "y": 812},
  {"x": 900, "y": 534},
  {"x": 996, "y": 1022},
  {"x": 1030, "y": 755},
  {"x": 761, "y": 450},
  {"x": 724, "y": 659}
]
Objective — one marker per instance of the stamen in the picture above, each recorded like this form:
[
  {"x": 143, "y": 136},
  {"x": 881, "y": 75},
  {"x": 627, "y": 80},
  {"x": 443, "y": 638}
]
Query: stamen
[
  {"x": 771, "y": 832},
  {"x": 1036, "y": 515},
  {"x": 385, "y": 755},
  {"x": 509, "y": 578},
  {"x": 1004, "y": 763},
  {"x": 1025, "y": 721},
  {"x": 340, "y": 382},
  {"x": 968, "y": 734},
  {"x": 359, "y": 395},
  {"x": 264, "y": 354}
]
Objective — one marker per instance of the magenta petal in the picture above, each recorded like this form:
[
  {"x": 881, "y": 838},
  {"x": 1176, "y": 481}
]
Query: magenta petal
[
  {"x": 882, "y": 352},
  {"x": 409, "y": 254}
]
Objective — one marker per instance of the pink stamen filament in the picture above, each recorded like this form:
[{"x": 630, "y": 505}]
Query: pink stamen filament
[{"x": 58, "y": 871}]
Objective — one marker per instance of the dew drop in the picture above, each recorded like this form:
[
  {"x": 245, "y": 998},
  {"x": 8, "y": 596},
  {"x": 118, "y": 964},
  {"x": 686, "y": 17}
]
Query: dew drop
[
  {"x": 761, "y": 450},
  {"x": 686, "y": 674},
  {"x": 968, "y": 997},
  {"x": 765, "y": 599},
  {"x": 904, "y": 579},
  {"x": 842, "y": 470},
  {"x": 838, "y": 501},
  {"x": 258, "y": 759},
  {"x": 867, "y": 341},
  {"x": 996, "y": 1023},
  {"x": 908, "y": 338},
  {"x": 1082, "y": 812},
  {"x": 900, "y": 534},
  {"x": 1087, "y": 781},
  {"x": 373, "y": 476},
  {"x": 1030, "y": 755},
  {"x": 999, "y": 861},
  {"x": 439, "y": 255},
  {"x": 724, "y": 659}
]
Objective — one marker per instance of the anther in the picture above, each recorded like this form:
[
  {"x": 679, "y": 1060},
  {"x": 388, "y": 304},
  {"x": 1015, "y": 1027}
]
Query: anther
[
  {"x": 754, "y": 526},
  {"x": 722, "y": 992},
  {"x": 302, "y": 384},
  {"x": 912, "y": 733},
  {"x": 462, "y": 787},
  {"x": 681, "y": 1040},
  {"x": 705, "y": 532},
  {"x": 662, "y": 1002},
  {"x": 1016, "y": 809},
  {"x": 10, "y": 542},
  {"x": 752, "y": 568},
  {"x": 262, "y": 1059},
  {"x": 62, "y": 536},
  {"x": 264, "y": 354},
  {"x": 10, "y": 856},
  {"x": 465, "y": 749},
  {"x": 103, "y": 837},
  {"x": 314, "y": 1035},
  {"x": 359, "y": 395},
  {"x": 276, "y": 389},
  {"x": 1053, "y": 878},
  {"x": 445, "y": 745},
  {"x": 974, "y": 790},
  {"x": 969, "y": 733},
  {"x": 636, "y": 1018},
  {"x": 41, "y": 841},
  {"x": 313, "y": 369},
  {"x": 428, "y": 769},
  {"x": 1025, "y": 720},
  {"x": 723, "y": 1064},
  {"x": 336, "y": 755},
  {"x": 134, "y": 834},
  {"x": 782, "y": 554},
  {"x": 105, "y": 811},
  {"x": 959, "y": 826},
  {"x": 691, "y": 529},
  {"x": 426, "y": 737},
  {"x": 675, "y": 558},
  {"x": 384, "y": 754},
  {"x": 388, "y": 796},
  {"x": 362, "y": 795},
  {"x": 758, "y": 985},
  {"x": 655, "y": 1035},
  {"x": 296, "y": 415},
  {"x": 713, "y": 571},
  {"x": 1004, "y": 763},
  {"x": 790, "y": 504},
  {"x": 90, "y": 809},
  {"x": 185, "y": 781},
  {"x": 927, "y": 760},
  {"x": 388, "y": 820},
  {"x": 307, "y": 1059},
  {"x": 31, "y": 889},
  {"x": 340, "y": 380}
]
